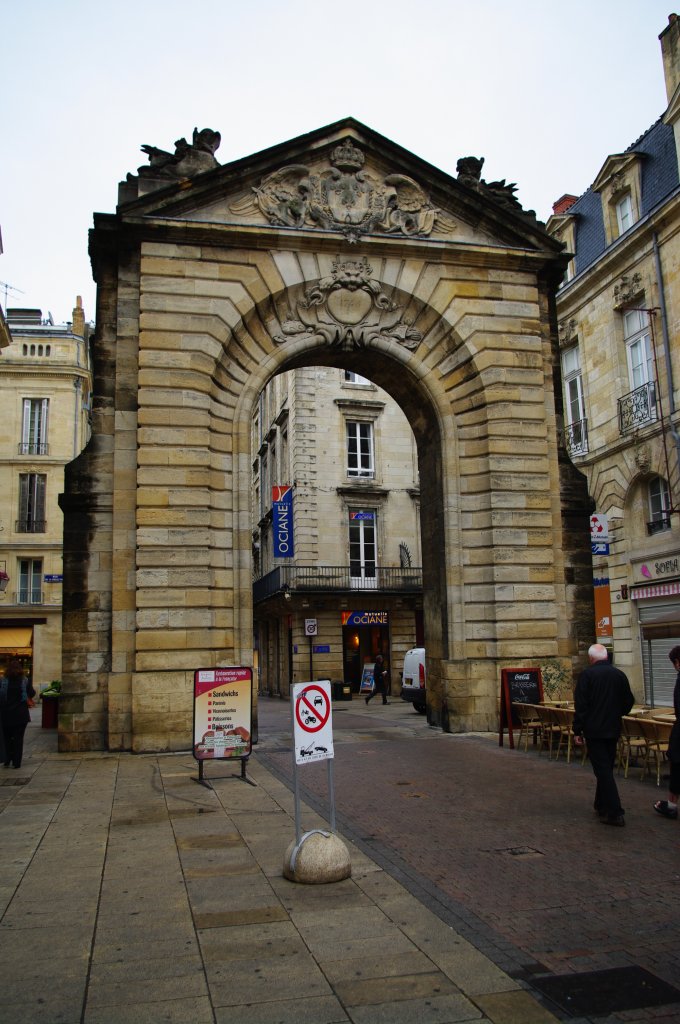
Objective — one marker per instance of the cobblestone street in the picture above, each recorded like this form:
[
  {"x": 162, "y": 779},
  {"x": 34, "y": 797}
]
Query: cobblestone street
[{"x": 504, "y": 842}]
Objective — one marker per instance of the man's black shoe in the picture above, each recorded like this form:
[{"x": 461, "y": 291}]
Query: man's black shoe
[{"x": 617, "y": 819}]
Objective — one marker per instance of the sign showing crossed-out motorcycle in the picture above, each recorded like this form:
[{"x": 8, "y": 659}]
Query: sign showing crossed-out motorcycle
[{"x": 312, "y": 721}]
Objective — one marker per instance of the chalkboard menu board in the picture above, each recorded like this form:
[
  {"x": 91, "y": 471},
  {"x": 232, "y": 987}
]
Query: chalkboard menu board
[{"x": 519, "y": 686}]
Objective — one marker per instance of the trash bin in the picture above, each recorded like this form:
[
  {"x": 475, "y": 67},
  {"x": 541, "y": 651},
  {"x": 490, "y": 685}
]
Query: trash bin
[
  {"x": 50, "y": 712},
  {"x": 340, "y": 690}
]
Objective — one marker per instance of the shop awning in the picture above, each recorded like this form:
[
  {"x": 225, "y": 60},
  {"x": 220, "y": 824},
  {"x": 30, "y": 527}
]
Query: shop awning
[
  {"x": 16, "y": 639},
  {"x": 655, "y": 590}
]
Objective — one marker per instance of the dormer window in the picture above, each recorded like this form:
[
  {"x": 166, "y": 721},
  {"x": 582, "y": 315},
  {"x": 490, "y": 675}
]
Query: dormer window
[{"x": 619, "y": 185}]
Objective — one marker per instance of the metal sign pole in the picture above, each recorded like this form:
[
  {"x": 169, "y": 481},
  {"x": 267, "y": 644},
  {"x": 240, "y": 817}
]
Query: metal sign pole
[
  {"x": 296, "y": 785},
  {"x": 331, "y": 793}
]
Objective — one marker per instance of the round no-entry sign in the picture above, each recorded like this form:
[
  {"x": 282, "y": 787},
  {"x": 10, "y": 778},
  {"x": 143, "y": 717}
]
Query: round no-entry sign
[{"x": 312, "y": 721}]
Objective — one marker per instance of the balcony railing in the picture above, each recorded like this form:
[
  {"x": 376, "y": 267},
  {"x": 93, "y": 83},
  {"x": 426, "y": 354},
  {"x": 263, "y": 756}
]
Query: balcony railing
[
  {"x": 637, "y": 408},
  {"x": 334, "y": 579},
  {"x": 658, "y": 525},
  {"x": 576, "y": 437},
  {"x": 33, "y": 448},
  {"x": 30, "y": 526},
  {"x": 29, "y": 597}
]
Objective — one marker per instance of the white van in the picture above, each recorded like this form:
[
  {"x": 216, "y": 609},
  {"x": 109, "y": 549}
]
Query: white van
[{"x": 413, "y": 679}]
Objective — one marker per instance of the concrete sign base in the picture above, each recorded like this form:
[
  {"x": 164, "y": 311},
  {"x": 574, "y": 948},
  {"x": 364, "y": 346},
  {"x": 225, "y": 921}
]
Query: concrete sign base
[{"x": 319, "y": 857}]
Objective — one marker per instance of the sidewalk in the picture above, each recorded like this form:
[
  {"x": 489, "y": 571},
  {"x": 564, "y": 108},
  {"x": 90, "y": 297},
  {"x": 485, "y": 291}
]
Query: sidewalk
[{"x": 131, "y": 893}]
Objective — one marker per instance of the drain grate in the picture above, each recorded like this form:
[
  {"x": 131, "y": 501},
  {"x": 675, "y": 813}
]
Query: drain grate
[
  {"x": 598, "y": 993},
  {"x": 518, "y": 851}
]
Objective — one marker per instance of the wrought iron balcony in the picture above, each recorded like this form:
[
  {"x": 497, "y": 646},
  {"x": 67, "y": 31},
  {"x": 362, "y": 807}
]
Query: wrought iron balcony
[
  {"x": 30, "y": 525},
  {"x": 335, "y": 579},
  {"x": 33, "y": 448},
  {"x": 637, "y": 408},
  {"x": 659, "y": 524},
  {"x": 576, "y": 437},
  {"x": 25, "y": 596}
]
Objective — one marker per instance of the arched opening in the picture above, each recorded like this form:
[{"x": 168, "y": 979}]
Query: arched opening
[{"x": 353, "y": 515}]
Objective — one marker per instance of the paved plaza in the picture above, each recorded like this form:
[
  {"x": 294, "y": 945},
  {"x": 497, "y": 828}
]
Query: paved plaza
[{"x": 132, "y": 893}]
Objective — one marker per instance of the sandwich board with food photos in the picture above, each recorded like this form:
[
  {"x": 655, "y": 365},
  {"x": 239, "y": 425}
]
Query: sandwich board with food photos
[{"x": 223, "y": 716}]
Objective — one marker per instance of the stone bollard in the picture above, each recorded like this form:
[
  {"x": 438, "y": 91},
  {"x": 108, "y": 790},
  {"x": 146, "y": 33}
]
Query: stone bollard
[{"x": 319, "y": 857}]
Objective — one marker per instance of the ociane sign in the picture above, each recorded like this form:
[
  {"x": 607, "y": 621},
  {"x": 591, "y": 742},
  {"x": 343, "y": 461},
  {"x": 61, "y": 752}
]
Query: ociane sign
[{"x": 282, "y": 501}]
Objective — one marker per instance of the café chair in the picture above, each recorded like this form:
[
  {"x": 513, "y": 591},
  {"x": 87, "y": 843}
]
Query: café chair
[
  {"x": 657, "y": 735},
  {"x": 565, "y": 723},
  {"x": 529, "y": 722},
  {"x": 549, "y": 727},
  {"x": 632, "y": 744}
]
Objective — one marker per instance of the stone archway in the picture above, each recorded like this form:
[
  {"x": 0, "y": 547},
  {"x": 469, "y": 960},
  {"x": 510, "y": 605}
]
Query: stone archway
[{"x": 354, "y": 253}]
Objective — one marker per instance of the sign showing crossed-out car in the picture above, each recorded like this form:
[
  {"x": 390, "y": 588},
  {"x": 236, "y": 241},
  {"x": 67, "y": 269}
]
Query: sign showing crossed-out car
[{"x": 312, "y": 721}]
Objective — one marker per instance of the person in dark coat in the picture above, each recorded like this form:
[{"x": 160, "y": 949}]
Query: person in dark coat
[
  {"x": 669, "y": 808},
  {"x": 379, "y": 679},
  {"x": 601, "y": 698},
  {"x": 15, "y": 689}
]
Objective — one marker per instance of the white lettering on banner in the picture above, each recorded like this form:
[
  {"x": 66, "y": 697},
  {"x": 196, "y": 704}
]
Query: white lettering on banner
[{"x": 284, "y": 527}]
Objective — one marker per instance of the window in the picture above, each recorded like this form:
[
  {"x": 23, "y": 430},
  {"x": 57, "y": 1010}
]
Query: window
[
  {"x": 576, "y": 425},
  {"x": 30, "y": 581},
  {"x": 659, "y": 506},
  {"x": 31, "y": 503},
  {"x": 34, "y": 427},
  {"x": 624, "y": 213},
  {"x": 355, "y": 378},
  {"x": 639, "y": 406},
  {"x": 362, "y": 549},
  {"x": 360, "y": 449}
]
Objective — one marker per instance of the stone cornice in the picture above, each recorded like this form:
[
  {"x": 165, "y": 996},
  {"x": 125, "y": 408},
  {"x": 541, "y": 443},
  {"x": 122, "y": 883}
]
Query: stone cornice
[{"x": 113, "y": 234}]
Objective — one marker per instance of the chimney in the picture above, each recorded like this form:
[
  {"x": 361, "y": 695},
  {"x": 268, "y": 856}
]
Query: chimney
[
  {"x": 563, "y": 204},
  {"x": 79, "y": 318},
  {"x": 670, "y": 52}
]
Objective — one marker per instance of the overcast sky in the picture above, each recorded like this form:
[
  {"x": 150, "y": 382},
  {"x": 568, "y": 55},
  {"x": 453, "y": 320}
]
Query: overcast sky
[{"x": 544, "y": 90}]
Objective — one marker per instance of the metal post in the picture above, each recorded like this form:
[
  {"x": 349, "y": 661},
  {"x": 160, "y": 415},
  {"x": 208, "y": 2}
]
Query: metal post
[
  {"x": 296, "y": 784},
  {"x": 311, "y": 671},
  {"x": 331, "y": 793}
]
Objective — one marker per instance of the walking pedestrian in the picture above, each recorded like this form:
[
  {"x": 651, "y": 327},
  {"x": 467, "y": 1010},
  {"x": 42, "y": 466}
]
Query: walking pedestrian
[
  {"x": 602, "y": 696},
  {"x": 15, "y": 690},
  {"x": 669, "y": 808},
  {"x": 379, "y": 680}
]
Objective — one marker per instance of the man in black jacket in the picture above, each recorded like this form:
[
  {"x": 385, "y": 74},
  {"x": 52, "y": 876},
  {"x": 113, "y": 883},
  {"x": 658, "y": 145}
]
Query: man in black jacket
[{"x": 602, "y": 696}]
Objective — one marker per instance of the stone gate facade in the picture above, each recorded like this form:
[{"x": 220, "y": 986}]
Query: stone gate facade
[{"x": 338, "y": 248}]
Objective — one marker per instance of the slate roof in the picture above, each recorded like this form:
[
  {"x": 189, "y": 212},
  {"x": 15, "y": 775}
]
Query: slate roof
[{"x": 659, "y": 174}]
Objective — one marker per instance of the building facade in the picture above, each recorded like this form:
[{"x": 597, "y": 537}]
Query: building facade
[
  {"x": 45, "y": 380},
  {"x": 619, "y": 324},
  {"x": 336, "y": 530}
]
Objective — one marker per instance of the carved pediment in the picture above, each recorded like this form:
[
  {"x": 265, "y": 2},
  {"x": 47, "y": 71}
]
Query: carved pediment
[
  {"x": 342, "y": 197},
  {"x": 343, "y": 179}
]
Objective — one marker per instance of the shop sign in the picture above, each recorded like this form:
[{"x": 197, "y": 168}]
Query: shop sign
[
  {"x": 282, "y": 502},
  {"x": 365, "y": 618},
  {"x": 599, "y": 528},
  {"x": 603, "y": 608},
  {"x": 222, "y": 712},
  {"x": 663, "y": 568}
]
